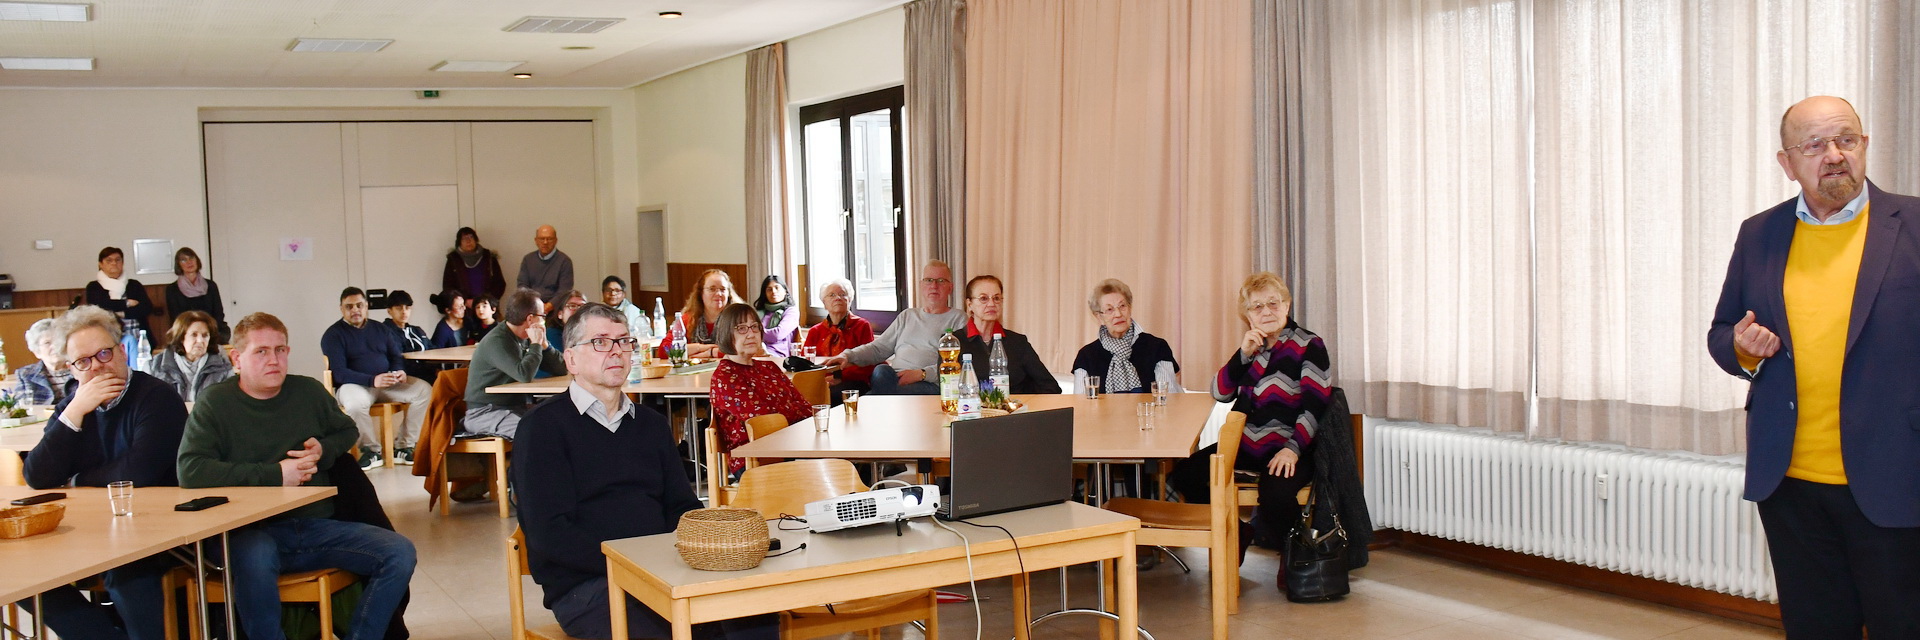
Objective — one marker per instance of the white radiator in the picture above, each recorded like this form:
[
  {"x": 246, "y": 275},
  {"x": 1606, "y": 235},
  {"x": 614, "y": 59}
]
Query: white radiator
[{"x": 1661, "y": 516}]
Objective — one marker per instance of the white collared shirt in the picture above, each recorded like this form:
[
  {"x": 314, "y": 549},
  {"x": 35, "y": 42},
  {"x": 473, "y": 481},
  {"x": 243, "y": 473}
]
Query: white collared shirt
[
  {"x": 591, "y": 407},
  {"x": 1844, "y": 215}
]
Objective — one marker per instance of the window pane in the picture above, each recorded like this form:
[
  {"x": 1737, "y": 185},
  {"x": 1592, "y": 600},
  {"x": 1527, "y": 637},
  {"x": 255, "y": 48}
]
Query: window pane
[
  {"x": 873, "y": 214},
  {"x": 826, "y": 230}
]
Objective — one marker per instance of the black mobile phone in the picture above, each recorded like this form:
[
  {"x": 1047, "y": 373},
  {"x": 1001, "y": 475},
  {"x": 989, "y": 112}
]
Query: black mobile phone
[
  {"x": 44, "y": 497},
  {"x": 198, "y": 504}
]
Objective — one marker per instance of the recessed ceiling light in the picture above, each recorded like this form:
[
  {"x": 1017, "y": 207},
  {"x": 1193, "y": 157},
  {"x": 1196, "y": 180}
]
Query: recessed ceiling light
[
  {"x": 575, "y": 48},
  {"x": 477, "y": 66},
  {"x": 670, "y": 14},
  {"x": 337, "y": 45},
  {"x": 523, "y": 76},
  {"x": 45, "y": 11},
  {"x": 46, "y": 64},
  {"x": 544, "y": 24}
]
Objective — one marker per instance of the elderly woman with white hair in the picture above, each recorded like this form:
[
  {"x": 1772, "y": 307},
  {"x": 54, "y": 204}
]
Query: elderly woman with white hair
[
  {"x": 839, "y": 332},
  {"x": 43, "y": 382},
  {"x": 1124, "y": 357}
]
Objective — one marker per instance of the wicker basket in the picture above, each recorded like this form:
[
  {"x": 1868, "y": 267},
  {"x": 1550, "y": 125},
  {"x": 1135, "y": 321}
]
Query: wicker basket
[
  {"x": 722, "y": 539},
  {"x": 20, "y": 522},
  {"x": 651, "y": 371}
]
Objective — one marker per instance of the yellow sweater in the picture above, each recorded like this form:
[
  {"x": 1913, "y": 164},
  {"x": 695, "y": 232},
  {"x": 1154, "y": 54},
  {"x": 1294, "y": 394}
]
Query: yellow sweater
[{"x": 1822, "y": 268}]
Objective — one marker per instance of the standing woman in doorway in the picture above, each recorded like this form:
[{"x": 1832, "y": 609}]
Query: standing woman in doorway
[
  {"x": 192, "y": 291},
  {"x": 112, "y": 290},
  {"x": 473, "y": 270}
]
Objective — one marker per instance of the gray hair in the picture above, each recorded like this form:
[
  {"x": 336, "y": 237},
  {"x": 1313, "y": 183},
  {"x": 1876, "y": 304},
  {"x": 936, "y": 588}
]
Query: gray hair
[
  {"x": 81, "y": 318},
  {"x": 36, "y": 332},
  {"x": 1107, "y": 286},
  {"x": 844, "y": 284},
  {"x": 576, "y": 328}
]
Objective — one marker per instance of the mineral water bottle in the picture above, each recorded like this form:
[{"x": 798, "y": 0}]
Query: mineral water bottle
[
  {"x": 998, "y": 385},
  {"x": 677, "y": 350},
  {"x": 144, "y": 358},
  {"x": 969, "y": 396},
  {"x": 949, "y": 372},
  {"x": 659, "y": 318}
]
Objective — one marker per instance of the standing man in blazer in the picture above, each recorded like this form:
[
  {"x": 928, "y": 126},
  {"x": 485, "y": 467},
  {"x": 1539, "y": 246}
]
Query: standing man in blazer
[{"x": 1821, "y": 311}]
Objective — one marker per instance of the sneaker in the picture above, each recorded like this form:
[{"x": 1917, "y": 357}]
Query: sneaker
[
  {"x": 369, "y": 459},
  {"x": 403, "y": 456}
]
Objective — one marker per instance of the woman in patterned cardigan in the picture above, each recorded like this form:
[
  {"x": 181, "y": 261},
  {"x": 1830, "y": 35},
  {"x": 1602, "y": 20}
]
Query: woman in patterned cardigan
[
  {"x": 1281, "y": 378},
  {"x": 744, "y": 387}
]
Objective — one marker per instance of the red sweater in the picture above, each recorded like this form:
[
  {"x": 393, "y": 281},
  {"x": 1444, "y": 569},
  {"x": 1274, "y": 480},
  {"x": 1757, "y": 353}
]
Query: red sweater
[{"x": 829, "y": 341}]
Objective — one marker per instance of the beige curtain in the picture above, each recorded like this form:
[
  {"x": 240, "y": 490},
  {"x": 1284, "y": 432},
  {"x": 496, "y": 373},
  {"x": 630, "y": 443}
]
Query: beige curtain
[
  {"x": 1112, "y": 140},
  {"x": 1292, "y": 224},
  {"x": 936, "y": 133},
  {"x": 766, "y": 197}
]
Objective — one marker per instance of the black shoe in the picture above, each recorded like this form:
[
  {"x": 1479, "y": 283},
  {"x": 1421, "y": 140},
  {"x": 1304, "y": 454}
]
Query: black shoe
[
  {"x": 369, "y": 459},
  {"x": 1246, "y": 540},
  {"x": 403, "y": 456}
]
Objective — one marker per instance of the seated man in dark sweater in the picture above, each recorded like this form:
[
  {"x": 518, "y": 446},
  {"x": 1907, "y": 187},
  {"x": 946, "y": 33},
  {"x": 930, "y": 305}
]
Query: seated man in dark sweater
[
  {"x": 265, "y": 428},
  {"x": 114, "y": 425},
  {"x": 592, "y": 466},
  {"x": 367, "y": 369}
]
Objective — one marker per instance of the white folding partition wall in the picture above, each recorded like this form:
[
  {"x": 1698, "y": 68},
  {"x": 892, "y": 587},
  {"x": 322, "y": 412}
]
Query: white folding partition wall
[{"x": 377, "y": 205}]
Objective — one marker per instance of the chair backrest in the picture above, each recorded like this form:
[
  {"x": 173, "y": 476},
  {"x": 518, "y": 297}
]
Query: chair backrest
[
  {"x": 813, "y": 386},
  {"x": 761, "y": 426},
  {"x": 326, "y": 374},
  {"x": 787, "y": 487},
  {"x": 516, "y": 568},
  {"x": 717, "y": 464},
  {"x": 13, "y": 472}
]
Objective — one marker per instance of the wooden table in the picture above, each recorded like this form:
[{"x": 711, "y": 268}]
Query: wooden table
[
  {"x": 90, "y": 539},
  {"x": 912, "y": 427},
  {"x": 872, "y": 561},
  {"x": 449, "y": 354}
]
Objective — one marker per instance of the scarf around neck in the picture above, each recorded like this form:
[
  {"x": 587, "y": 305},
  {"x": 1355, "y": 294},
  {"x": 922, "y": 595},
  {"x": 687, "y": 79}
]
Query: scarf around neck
[
  {"x": 471, "y": 259},
  {"x": 192, "y": 286},
  {"x": 116, "y": 287},
  {"x": 1121, "y": 375}
]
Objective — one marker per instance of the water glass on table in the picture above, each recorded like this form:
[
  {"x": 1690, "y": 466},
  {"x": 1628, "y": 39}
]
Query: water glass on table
[
  {"x": 1161, "y": 389},
  {"x": 120, "y": 497},
  {"x": 1144, "y": 414},
  {"x": 851, "y": 400},
  {"x": 1093, "y": 387},
  {"x": 822, "y": 414}
]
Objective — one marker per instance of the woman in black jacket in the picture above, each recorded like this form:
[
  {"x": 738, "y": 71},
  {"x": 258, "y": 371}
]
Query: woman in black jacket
[
  {"x": 112, "y": 290},
  {"x": 985, "y": 304}
]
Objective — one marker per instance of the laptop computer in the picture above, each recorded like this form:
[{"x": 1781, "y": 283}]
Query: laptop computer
[{"x": 1008, "y": 463}]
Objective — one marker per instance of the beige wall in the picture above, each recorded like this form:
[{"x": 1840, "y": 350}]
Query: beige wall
[{"x": 87, "y": 168}]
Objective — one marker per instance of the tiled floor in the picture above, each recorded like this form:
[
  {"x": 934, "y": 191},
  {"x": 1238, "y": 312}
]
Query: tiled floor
[{"x": 460, "y": 591}]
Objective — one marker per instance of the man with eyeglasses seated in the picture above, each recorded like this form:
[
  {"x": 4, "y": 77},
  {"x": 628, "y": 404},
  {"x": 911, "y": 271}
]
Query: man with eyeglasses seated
[
  {"x": 593, "y": 466},
  {"x": 264, "y": 428},
  {"x": 114, "y": 425},
  {"x": 516, "y": 351},
  {"x": 908, "y": 353}
]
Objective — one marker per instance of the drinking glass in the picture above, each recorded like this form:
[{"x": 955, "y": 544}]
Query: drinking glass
[
  {"x": 851, "y": 399},
  {"x": 822, "y": 414},
  {"x": 1093, "y": 387},
  {"x": 120, "y": 497},
  {"x": 1160, "y": 390},
  {"x": 1144, "y": 413}
]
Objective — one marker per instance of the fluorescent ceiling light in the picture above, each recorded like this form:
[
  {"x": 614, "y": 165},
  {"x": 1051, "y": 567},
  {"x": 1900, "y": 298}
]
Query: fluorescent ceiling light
[
  {"x": 478, "y": 66},
  {"x": 337, "y": 45},
  {"x": 45, "y": 11},
  {"x": 545, "y": 24},
  {"x": 46, "y": 64}
]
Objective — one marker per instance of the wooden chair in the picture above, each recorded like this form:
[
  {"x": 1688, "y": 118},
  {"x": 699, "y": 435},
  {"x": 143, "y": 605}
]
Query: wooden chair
[
  {"x": 760, "y": 427},
  {"x": 813, "y": 386},
  {"x": 718, "y": 460},
  {"x": 316, "y": 587},
  {"x": 13, "y": 470},
  {"x": 1214, "y": 526},
  {"x": 382, "y": 412},
  {"x": 496, "y": 448},
  {"x": 516, "y": 596},
  {"x": 786, "y": 488}
]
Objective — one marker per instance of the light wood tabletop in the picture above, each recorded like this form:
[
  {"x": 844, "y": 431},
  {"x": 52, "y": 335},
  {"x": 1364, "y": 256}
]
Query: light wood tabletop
[
  {"x": 908, "y": 427},
  {"x": 448, "y": 354},
  {"x": 872, "y": 561},
  {"x": 90, "y": 539},
  {"x": 24, "y": 437}
]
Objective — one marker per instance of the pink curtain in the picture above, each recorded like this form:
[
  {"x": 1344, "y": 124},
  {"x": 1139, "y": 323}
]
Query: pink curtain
[{"x": 1112, "y": 140}]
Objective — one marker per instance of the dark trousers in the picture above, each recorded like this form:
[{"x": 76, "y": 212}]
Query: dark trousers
[
  {"x": 1278, "y": 511},
  {"x": 583, "y": 613},
  {"x": 137, "y": 598},
  {"x": 1836, "y": 571}
]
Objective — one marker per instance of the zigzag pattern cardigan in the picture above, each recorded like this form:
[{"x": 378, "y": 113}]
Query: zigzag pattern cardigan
[{"x": 1284, "y": 391}]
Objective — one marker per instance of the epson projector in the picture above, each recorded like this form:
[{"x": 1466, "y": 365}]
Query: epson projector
[{"x": 880, "y": 506}]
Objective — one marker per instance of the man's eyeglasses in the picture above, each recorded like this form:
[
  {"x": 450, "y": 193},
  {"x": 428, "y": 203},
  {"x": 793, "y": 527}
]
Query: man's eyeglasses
[
  {"x": 1818, "y": 146},
  {"x": 937, "y": 280},
  {"x": 86, "y": 363},
  {"x": 609, "y": 345}
]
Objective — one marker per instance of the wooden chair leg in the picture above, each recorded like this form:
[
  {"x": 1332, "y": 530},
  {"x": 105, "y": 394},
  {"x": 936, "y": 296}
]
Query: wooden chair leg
[
  {"x": 500, "y": 482},
  {"x": 446, "y": 485},
  {"x": 326, "y": 607},
  {"x": 386, "y": 440},
  {"x": 933, "y": 615}
]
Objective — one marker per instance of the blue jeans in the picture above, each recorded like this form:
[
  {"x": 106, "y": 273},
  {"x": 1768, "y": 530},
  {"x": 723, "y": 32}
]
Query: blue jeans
[
  {"x": 584, "y": 613},
  {"x": 886, "y": 382},
  {"x": 261, "y": 553},
  {"x": 137, "y": 597}
]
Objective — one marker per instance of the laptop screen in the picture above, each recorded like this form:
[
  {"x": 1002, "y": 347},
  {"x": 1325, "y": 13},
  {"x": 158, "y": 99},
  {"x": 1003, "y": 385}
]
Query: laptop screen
[{"x": 1010, "y": 462}]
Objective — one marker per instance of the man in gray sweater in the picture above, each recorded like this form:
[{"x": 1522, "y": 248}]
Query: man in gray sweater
[
  {"x": 514, "y": 351},
  {"x": 547, "y": 270},
  {"x": 910, "y": 347}
]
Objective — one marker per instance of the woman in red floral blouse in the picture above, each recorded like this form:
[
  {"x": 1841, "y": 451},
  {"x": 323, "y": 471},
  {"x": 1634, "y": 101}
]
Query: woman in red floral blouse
[{"x": 744, "y": 387}]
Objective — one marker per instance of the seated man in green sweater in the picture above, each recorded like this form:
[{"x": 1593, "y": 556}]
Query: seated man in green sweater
[
  {"x": 515, "y": 351},
  {"x": 265, "y": 428}
]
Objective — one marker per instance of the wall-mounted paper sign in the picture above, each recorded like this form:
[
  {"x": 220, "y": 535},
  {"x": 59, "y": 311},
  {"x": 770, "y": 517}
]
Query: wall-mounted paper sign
[{"x": 296, "y": 248}]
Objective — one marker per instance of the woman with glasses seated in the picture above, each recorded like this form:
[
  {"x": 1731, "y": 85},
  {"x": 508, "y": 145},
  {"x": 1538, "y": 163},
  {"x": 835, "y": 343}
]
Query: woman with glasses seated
[
  {"x": 1124, "y": 358},
  {"x": 563, "y": 309},
  {"x": 744, "y": 386},
  {"x": 43, "y": 382},
  {"x": 697, "y": 318},
  {"x": 985, "y": 305},
  {"x": 839, "y": 332}
]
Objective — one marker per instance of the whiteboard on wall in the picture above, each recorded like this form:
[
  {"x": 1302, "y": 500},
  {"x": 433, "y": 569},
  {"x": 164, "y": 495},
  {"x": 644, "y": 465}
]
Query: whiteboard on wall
[{"x": 404, "y": 232}]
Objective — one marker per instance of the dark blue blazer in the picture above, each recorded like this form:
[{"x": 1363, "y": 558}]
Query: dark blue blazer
[{"x": 1880, "y": 382}]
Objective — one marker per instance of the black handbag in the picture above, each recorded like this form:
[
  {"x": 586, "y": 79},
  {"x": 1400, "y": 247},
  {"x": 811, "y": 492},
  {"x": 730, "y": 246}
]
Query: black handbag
[{"x": 1316, "y": 561}]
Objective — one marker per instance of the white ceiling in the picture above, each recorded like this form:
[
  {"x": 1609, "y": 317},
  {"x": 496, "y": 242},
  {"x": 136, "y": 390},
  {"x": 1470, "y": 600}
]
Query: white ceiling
[{"x": 243, "y": 43}]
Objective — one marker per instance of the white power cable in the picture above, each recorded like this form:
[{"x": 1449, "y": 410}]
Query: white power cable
[{"x": 978, "y": 626}]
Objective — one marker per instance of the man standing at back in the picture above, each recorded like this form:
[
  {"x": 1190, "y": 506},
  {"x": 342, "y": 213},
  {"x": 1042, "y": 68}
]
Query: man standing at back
[
  {"x": 367, "y": 368},
  {"x": 547, "y": 270},
  {"x": 1818, "y": 311}
]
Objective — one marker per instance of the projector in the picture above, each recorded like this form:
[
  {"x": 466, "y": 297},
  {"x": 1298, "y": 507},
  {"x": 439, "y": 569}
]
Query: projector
[{"x": 879, "y": 506}]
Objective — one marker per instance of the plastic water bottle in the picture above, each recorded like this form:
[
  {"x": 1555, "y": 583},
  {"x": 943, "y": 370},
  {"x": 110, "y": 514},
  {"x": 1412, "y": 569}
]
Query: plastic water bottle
[
  {"x": 969, "y": 396},
  {"x": 949, "y": 373},
  {"x": 143, "y": 361},
  {"x": 659, "y": 318},
  {"x": 677, "y": 350},
  {"x": 998, "y": 384},
  {"x": 130, "y": 342}
]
